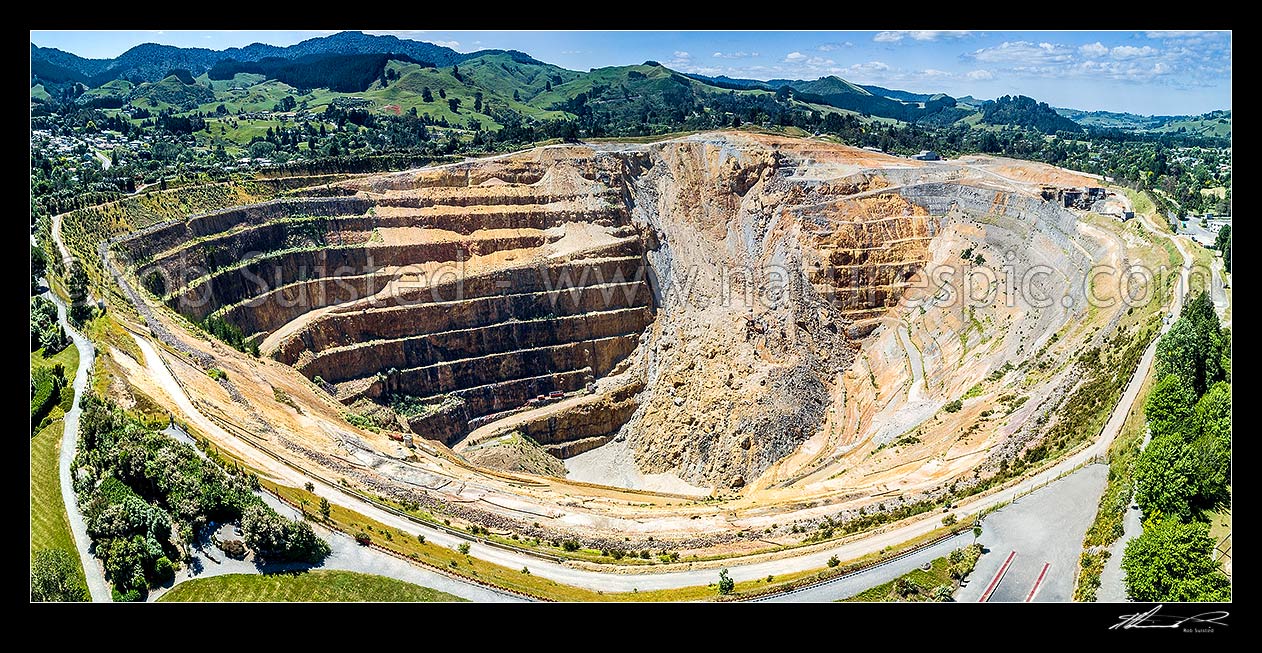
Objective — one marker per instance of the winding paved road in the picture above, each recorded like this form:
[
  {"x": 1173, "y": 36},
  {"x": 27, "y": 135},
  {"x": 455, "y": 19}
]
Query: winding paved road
[{"x": 98, "y": 589}]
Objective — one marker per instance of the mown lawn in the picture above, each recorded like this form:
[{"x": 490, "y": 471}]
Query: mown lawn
[
  {"x": 306, "y": 587},
  {"x": 938, "y": 574},
  {"x": 50, "y": 528}
]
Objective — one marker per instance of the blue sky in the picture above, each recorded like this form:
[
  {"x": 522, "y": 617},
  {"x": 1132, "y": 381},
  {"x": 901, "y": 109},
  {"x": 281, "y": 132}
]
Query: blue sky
[{"x": 1150, "y": 72}]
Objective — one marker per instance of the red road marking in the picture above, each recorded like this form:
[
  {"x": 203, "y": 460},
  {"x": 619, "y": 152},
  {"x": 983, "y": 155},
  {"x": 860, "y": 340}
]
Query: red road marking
[
  {"x": 998, "y": 577},
  {"x": 1039, "y": 581}
]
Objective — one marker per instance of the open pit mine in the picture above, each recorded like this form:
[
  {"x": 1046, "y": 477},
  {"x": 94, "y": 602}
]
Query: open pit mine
[{"x": 709, "y": 344}]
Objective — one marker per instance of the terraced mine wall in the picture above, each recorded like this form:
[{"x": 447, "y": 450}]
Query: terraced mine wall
[
  {"x": 351, "y": 279},
  {"x": 567, "y": 264}
]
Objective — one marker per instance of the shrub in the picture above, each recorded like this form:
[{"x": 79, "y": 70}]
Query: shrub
[
  {"x": 463, "y": 548},
  {"x": 363, "y": 538},
  {"x": 833, "y": 561},
  {"x": 949, "y": 520},
  {"x": 233, "y": 549},
  {"x": 570, "y": 545},
  {"x": 420, "y": 539},
  {"x": 726, "y": 584},
  {"x": 953, "y": 406},
  {"x": 130, "y": 596},
  {"x": 163, "y": 570}
]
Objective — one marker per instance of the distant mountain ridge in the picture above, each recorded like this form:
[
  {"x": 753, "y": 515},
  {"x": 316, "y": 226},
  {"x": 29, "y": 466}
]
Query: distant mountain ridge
[
  {"x": 516, "y": 77},
  {"x": 150, "y": 62}
]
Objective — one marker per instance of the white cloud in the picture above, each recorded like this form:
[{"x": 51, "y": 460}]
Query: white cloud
[
  {"x": 447, "y": 44},
  {"x": 895, "y": 36},
  {"x": 571, "y": 52},
  {"x": 934, "y": 72},
  {"x": 1130, "y": 52},
  {"x": 794, "y": 57},
  {"x": 829, "y": 47},
  {"x": 680, "y": 54},
  {"x": 1023, "y": 53},
  {"x": 1182, "y": 33},
  {"x": 980, "y": 75},
  {"x": 1180, "y": 63},
  {"x": 734, "y": 55},
  {"x": 869, "y": 67},
  {"x": 1096, "y": 49},
  {"x": 819, "y": 61}
]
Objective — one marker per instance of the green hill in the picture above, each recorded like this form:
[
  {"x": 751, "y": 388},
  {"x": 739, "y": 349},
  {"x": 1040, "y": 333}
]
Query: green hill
[
  {"x": 118, "y": 88},
  {"x": 1214, "y": 123},
  {"x": 171, "y": 92},
  {"x": 1022, "y": 111}
]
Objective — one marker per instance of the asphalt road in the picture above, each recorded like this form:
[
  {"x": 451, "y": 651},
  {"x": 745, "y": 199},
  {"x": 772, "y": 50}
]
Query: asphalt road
[
  {"x": 345, "y": 554},
  {"x": 98, "y": 589},
  {"x": 851, "y": 584},
  {"x": 1046, "y": 526}
]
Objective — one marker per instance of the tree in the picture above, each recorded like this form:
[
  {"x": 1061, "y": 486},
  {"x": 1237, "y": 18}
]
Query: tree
[
  {"x": 977, "y": 532},
  {"x": 547, "y": 86},
  {"x": 426, "y": 95},
  {"x": 455, "y": 72},
  {"x": 77, "y": 282},
  {"x": 833, "y": 561},
  {"x": 309, "y": 486},
  {"x": 1194, "y": 347},
  {"x": 477, "y": 102},
  {"x": 726, "y": 584},
  {"x": 262, "y": 149},
  {"x": 55, "y": 577},
  {"x": 454, "y": 103},
  {"x": 325, "y": 508},
  {"x": 1173, "y": 561},
  {"x": 1222, "y": 243},
  {"x": 1212, "y": 413},
  {"x": 1169, "y": 408},
  {"x": 39, "y": 262},
  {"x": 442, "y": 93},
  {"x": 1165, "y": 479},
  {"x": 463, "y": 548}
]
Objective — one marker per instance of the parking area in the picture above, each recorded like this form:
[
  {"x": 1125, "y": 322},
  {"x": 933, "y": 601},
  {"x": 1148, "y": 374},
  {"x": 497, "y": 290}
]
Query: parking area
[{"x": 1039, "y": 537}]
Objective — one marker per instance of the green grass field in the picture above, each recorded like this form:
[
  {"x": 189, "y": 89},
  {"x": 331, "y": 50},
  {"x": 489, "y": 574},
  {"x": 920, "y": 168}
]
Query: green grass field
[
  {"x": 308, "y": 587},
  {"x": 938, "y": 574},
  {"x": 50, "y": 528}
]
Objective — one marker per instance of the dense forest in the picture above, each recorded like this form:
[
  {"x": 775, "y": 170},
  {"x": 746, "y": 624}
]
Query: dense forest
[{"x": 346, "y": 73}]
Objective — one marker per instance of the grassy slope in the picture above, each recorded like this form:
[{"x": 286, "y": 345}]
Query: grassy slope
[
  {"x": 938, "y": 574},
  {"x": 308, "y": 587},
  {"x": 1217, "y": 126},
  {"x": 50, "y": 527}
]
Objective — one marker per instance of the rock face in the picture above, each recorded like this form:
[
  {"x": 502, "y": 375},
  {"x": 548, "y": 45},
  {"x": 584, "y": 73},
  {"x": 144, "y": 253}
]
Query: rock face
[
  {"x": 737, "y": 370},
  {"x": 715, "y": 294}
]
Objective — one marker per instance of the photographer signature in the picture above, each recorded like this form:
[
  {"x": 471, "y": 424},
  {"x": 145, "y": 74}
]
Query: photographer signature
[{"x": 1153, "y": 619}]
